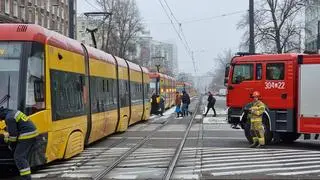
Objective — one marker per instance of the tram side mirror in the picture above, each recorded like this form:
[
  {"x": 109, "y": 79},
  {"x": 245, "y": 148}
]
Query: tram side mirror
[{"x": 39, "y": 90}]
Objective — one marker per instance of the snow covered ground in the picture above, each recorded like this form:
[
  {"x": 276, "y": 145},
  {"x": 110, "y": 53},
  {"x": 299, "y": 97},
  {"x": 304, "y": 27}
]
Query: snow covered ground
[{"x": 220, "y": 98}]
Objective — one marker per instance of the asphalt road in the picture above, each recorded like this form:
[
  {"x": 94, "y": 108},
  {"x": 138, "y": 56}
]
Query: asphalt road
[{"x": 212, "y": 151}]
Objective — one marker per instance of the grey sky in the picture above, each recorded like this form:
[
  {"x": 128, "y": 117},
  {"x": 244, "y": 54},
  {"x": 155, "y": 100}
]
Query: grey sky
[{"x": 207, "y": 38}]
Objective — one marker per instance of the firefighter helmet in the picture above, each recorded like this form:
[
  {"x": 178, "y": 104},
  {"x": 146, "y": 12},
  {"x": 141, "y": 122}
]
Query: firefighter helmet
[{"x": 256, "y": 94}]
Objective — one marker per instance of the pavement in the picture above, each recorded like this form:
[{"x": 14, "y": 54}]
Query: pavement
[{"x": 213, "y": 150}]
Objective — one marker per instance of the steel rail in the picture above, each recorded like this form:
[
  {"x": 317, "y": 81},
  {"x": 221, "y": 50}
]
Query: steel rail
[
  {"x": 178, "y": 151},
  {"x": 101, "y": 174}
]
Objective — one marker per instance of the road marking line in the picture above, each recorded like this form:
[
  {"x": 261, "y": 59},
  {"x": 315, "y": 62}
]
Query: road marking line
[{"x": 263, "y": 170}]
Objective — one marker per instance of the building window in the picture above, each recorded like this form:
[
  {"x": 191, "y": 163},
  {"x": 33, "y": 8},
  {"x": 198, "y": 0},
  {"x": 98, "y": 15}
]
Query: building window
[
  {"x": 62, "y": 27},
  {"x": 58, "y": 11},
  {"x": 7, "y": 7},
  {"x": 23, "y": 13},
  {"x": 62, "y": 13},
  {"x": 42, "y": 20},
  {"x": 53, "y": 25},
  {"x": 15, "y": 8},
  {"x": 30, "y": 16},
  {"x": 58, "y": 27},
  {"x": 48, "y": 22},
  {"x": 48, "y": 6},
  {"x": 36, "y": 19}
]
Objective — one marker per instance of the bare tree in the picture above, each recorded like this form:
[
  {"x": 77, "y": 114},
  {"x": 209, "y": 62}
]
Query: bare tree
[
  {"x": 219, "y": 70},
  {"x": 277, "y": 26},
  {"x": 120, "y": 31}
]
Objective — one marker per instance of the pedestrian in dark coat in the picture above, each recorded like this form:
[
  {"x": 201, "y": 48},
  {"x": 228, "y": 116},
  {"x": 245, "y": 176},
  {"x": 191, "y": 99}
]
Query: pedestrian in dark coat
[
  {"x": 185, "y": 103},
  {"x": 154, "y": 104},
  {"x": 211, "y": 103},
  {"x": 161, "y": 105}
]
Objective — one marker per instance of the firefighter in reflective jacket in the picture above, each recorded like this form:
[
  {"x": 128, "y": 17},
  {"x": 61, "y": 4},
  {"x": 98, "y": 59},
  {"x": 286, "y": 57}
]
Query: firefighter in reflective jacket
[
  {"x": 257, "y": 128},
  {"x": 21, "y": 137}
]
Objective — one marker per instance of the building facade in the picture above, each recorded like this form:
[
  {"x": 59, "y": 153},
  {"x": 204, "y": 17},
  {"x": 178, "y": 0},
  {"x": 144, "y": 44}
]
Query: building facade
[
  {"x": 56, "y": 15},
  {"x": 312, "y": 17},
  {"x": 150, "y": 53}
]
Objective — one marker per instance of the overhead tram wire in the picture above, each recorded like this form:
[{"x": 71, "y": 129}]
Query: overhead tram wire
[
  {"x": 180, "y": 25},
  {"x": 174, "y": 27},
  {"x": 213, "y": 17},
  {"x": 184, "y": 42},
  {"x": 201, "y": 19},
  {"x": 182, "y": 33}
]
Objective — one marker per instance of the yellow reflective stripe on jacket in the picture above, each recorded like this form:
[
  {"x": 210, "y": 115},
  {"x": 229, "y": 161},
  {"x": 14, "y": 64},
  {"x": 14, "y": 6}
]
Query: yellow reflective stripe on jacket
[
  {"x": 20, "y": 116},
  {"x": 28, "y": 135},
  {"x": 25, "y": 171},
  {"x": 256, "y": 120},
  {"x": 258, "y": 108},
  {"x": 12, "y": 138}
]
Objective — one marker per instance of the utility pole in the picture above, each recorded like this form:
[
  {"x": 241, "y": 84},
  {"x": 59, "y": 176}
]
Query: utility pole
[
  {"x": 318, "y": 38},
  {"x": 72, "y": 14},
  {"x": 251, "y": 27}
]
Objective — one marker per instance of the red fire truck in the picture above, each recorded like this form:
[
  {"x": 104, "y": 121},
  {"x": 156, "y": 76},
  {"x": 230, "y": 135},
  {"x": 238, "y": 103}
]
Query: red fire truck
[{"x": 289, "y": 86}]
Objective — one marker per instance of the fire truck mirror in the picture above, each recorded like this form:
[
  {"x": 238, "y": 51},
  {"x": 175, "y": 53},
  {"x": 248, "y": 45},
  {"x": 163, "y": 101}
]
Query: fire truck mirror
[
  {"x": 225, "y": 81},
  {"x": 226, "y": 74}
]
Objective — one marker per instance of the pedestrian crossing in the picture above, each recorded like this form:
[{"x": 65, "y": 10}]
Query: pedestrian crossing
[
  {"x": 245, "y": 161},
  {"x": 192, "y": 164}
]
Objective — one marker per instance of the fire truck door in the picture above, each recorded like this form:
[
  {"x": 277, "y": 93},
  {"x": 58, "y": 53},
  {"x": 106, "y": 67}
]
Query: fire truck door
[
  {"x": 278, "y": 85},
  {"x": 242, "y": 84}
]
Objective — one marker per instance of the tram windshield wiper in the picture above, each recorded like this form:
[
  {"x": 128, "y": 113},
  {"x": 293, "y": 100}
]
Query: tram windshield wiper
[
  {"x": 4, "y": 99},
  {"x": 7, "y": 96}
]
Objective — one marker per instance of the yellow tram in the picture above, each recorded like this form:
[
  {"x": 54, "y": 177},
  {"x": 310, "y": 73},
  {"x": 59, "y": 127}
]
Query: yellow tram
[{"x": 74, "y": 94}]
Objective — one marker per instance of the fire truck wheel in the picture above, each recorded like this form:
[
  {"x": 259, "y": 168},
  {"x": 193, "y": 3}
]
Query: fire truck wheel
[{"x": 289, "y": 137}]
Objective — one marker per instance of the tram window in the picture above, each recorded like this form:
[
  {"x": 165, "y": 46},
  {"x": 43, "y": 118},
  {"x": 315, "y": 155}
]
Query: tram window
[
  {"x": 67, "y": 98},
  {"x": 275, "y": 71},
  {"x": 258, "y": 71},
  {"x": 35, "y": 80},
  {"x": 242, "y": 72}
]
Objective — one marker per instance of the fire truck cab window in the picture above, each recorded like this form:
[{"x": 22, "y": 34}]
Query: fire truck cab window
[
  {"x": 242, "y": 72},
  {"x": 258, "y": 71},
  {"x": 275, "y": 71}
]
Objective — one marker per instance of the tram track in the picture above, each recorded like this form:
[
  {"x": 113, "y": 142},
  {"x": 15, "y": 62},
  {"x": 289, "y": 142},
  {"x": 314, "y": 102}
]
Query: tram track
[
  {"x": 91, "y": 157},
  {"x": 102, "y": 162},
  {"x": 170, "y": 169}
]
